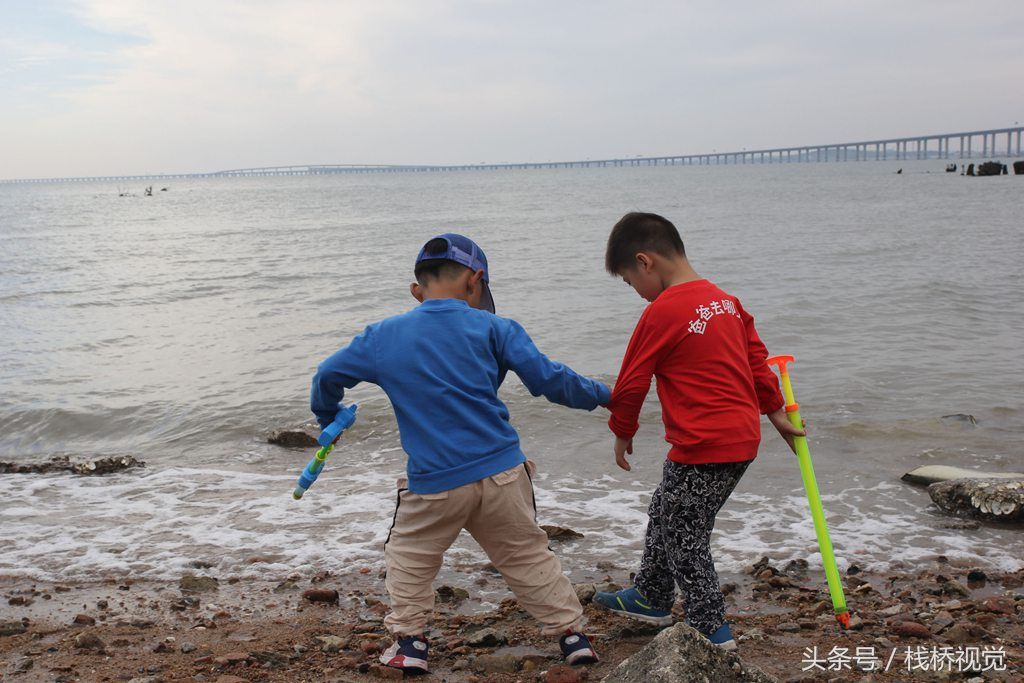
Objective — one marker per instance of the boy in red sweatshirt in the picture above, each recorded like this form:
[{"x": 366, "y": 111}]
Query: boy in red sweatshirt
[{"x": 713, "y": 384}]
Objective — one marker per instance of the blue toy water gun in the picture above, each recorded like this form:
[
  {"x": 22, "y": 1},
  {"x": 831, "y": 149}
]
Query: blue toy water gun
[{"x": 344, "y": 419}]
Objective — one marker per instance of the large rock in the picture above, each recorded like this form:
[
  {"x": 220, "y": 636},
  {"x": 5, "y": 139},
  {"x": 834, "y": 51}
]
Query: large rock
[
  {"x": 190, "y": 583},
  {"x": 681, "y": 655},
  {"x": 988, "y": 499},
  {"x": 560, "y": 533},
  {"x": 65, "y": 464},
  {"x": 298, "y": 437},
  {"x": 930, "y": 474},
  {"x": 990, "y": 168}
]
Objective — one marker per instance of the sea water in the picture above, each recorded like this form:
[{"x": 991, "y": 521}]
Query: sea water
[{"x": 182, "y": 328}]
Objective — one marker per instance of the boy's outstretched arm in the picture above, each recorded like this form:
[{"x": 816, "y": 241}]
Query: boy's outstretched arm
[
  {"x": 766, "y": 384},
  {"x": 643, "y": 354},
  {"x": 346, "y": 368},
  {"x": 543, "y": 377}
]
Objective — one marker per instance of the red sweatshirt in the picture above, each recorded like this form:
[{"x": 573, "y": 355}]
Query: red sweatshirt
[{"x": 713, "y": 381}]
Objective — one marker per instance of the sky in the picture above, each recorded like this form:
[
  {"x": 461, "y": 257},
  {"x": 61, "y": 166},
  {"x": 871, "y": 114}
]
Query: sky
[{"x": 106, "y": 87}]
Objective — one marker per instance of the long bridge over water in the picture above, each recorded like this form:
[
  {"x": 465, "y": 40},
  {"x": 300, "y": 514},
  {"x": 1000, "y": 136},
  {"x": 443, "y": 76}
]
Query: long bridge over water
[{"x": 960, "y": 145}]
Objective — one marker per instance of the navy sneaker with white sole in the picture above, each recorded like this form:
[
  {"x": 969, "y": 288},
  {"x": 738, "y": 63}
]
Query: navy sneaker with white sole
[
  {"x": 576, "y": 648},
  {"x": 631, "y": 603},
  {"x": 723, "y": 637},
  {"x": 408, "y": 654}
]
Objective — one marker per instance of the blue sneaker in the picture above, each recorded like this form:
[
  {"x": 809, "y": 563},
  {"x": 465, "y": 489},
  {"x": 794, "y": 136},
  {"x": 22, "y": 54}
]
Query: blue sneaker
[
  {"x": 723, "y": 637},
  {"x": 631, "y": 603},
  {"x": 576, "y": 648},
  {"x": 408, "y": 654}
]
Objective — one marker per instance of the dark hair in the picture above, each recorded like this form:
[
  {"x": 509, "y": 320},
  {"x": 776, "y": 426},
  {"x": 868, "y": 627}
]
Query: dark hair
[
  {"x": 435, "y": 269},
  {"x": 636, "y": 232}
]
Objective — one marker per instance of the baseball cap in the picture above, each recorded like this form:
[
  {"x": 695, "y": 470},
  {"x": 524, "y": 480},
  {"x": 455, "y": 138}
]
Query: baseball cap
[{"x": 463, "y": 251}]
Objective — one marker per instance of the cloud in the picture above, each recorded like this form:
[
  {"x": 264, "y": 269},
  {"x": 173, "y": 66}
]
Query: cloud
[{"x": 193, "y": 85}]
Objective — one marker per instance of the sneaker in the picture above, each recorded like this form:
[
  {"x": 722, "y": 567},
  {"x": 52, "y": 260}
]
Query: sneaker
[
  {"x": 576, "y": 648},
  {"x": 723, "y": 637},
  {"x": 408, "y": 654},
  {"x": 631, "y": 603}
]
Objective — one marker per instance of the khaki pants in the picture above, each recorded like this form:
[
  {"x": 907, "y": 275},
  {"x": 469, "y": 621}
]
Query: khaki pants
[{"x": 499, "y": 513}]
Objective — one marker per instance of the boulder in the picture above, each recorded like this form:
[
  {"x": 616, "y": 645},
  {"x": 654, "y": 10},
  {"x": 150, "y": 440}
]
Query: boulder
[
  {"x": 930, "y": 474},
  {"x": 680, "y": 654},
  {"x": 299, "y": 437},
  {"x": 987, "y": 499},
  {"x": 560, "y": 533},
  {"x": 989, "y": 168},
  {"x": 959, "y": 420}
]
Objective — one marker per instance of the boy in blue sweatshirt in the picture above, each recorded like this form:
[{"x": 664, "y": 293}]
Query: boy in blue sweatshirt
[{"x": 441, "y": 365}]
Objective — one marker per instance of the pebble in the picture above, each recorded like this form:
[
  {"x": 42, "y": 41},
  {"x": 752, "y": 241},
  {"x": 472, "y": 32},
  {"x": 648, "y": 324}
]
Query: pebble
[
  {"x": 585, "y": 592},
  {"x": 83, "y": 620},
  {"x": 891, "y": 611},
  {"x": 332, "y": 643},
  {"x": 89, "y": 641},
  {"x": 231, "y": 658},
  {"x": 386, "y": 672},
  {"x": 788, "y": 627},
  {"x": 497, "y": 663},
  {"x": 910, "y": 629},
  {"x": 561, "y": 674},
  {"x": 753, "y": 634},
  {"x": 486, "y": 637},
  {"x": 11, "y": 628},
  {"x": 24, "y": 665},
  {"x": 187, "y": 647},
  {"x": 328, "y": 595},
  {"x": 1000, "y": 606},
  {"x": 369, "y": 647},
  {"x": 955, "y": 588},
  {"x": 942, "y": 619},
  {"x": 821, "y": 607},
  {"x": 190, "y": 583},
  {"x": 450, "y": 594}
]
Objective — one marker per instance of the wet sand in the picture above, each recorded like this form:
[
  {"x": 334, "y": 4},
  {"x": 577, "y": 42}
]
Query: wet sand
[{"x": 232, "y": 630}]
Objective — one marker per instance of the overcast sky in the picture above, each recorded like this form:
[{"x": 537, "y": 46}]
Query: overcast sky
[{"x": 100, "y": 87}]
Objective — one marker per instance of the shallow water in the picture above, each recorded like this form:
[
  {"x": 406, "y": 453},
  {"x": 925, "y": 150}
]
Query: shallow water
[{"x": 181, "y": 328}]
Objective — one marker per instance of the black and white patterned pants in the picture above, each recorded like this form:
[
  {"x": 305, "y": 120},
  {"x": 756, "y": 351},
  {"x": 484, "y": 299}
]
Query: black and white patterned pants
[{"x": 678, "y": 545}]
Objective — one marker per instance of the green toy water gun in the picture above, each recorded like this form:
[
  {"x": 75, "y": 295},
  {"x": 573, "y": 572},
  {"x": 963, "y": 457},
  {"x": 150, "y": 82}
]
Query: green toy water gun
[
  {"x": 344, "y": 419},
  {"x": 803, "y": 456}
]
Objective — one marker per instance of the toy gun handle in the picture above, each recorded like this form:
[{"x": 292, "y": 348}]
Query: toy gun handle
[{"x": 345, "y": 418}]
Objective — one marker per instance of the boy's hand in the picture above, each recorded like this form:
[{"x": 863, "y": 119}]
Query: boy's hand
[
  {"x": 623, "y": 446},
  {"x": 785, "y": 428}
]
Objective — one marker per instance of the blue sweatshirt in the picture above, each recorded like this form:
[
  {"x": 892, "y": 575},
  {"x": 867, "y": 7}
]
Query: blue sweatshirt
[{"x": 441, "y": 365}]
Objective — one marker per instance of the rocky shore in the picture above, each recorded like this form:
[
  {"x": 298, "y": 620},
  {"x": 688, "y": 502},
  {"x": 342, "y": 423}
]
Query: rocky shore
[{"x": 329, "y": 628}]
